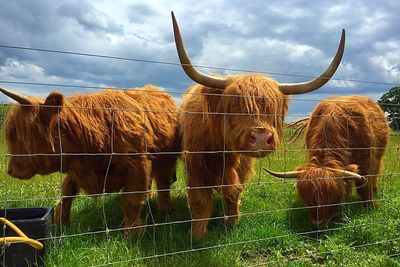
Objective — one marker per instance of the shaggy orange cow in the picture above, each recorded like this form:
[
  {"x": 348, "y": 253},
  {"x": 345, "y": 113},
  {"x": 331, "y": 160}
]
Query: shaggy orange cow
[
  {"x": 102, "y": 141},
  {"x": 345, "y": 140},
  {"x": 227, "y": 122}
]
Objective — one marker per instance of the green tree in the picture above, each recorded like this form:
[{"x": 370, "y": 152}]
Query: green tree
[{"x": 390, "y": 103}]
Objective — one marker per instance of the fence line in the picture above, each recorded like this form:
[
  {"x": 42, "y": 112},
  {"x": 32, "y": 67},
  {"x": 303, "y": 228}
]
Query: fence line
[{"x": 194, "y": 65}]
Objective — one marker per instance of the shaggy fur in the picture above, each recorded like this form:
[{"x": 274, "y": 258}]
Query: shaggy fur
[
  {"x": 86, "y": 124},
  {"x": 347, "y": 133},
  {"x": 217, "y": 121}
]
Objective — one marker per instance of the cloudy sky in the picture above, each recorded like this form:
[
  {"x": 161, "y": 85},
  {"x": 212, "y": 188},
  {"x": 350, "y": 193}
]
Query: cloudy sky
[{"x": 283, "y": 38}]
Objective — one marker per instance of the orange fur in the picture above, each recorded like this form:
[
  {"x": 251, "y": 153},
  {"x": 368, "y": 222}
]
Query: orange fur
[
  {"x": 86, "y": 124},
  {"x": 347, "y": 133},
  {"x": 213, "y": 120}
]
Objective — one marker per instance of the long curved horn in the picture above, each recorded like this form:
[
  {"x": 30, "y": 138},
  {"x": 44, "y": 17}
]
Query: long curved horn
[
  {"x": 193, "y": 73},
  {"x": 305, "y": 87},
  {"x": 291, "y": 174},
  {"x": 19, "y": 98},
  {"x": 348, "y": 174}
]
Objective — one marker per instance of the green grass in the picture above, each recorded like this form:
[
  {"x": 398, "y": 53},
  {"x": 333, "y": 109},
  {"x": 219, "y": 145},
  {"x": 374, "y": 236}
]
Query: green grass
[{"x": 273, "y": 230}]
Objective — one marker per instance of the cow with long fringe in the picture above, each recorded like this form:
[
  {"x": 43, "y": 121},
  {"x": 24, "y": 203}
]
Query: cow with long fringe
[
  {"x": 227, "y": 122},
  {"x": 105, "y": 142},
  {"x": 345, "y": 140}
]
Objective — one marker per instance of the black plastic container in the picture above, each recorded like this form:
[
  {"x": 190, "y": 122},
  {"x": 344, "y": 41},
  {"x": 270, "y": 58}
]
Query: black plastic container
[{"x": 36, "y": 223}]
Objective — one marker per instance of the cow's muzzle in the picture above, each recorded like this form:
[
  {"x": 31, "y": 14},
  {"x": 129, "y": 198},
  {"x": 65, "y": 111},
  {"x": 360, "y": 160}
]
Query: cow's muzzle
[{"x": 260, "y": 139}]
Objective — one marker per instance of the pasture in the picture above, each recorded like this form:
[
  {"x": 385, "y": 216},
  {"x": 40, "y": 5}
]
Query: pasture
[{"x": 273, "y": 230}]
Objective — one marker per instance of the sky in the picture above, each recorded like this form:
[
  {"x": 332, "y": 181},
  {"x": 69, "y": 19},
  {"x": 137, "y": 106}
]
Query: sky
[{"x": 285, "y": 39}]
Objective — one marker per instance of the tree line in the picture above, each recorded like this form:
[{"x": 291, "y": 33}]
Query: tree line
[{"x": 390, "y": 103}]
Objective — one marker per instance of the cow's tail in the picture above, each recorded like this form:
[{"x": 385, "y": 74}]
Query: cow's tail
[{"x": 300, "y": 126}]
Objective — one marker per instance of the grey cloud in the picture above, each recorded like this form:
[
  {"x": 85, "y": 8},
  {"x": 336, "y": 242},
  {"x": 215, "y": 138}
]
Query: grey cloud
[
  {"x": 138, "y": 13},
  {"x": 27, "y": 17},
  {"x": 89, "y": 17}
]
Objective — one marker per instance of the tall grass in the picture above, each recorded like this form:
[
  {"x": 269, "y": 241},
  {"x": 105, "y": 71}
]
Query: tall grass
[{"x": 273, "y": 229}]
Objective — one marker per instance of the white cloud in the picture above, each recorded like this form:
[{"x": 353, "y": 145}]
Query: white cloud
[
  {"x": 260, "y": 54},
  {"x": 20, "y": 70},
  {"x": 15, "y": 70},
  {"x": 342, "y": 84},
  {"x": 388, "y": 60}
]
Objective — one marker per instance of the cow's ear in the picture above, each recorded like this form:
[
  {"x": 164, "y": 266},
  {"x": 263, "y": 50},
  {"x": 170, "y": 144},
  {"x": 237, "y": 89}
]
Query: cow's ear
[{"x": 52, "y": 106}]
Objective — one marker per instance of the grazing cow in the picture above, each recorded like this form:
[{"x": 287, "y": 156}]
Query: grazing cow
[
  {"x": 345, "y": 140},
  {"x": 102, "y": 141},
  {"x": 227, "y": 122}
]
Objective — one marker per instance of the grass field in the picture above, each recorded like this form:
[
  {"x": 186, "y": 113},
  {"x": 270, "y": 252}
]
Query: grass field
[{"x": 273, "y": 230}]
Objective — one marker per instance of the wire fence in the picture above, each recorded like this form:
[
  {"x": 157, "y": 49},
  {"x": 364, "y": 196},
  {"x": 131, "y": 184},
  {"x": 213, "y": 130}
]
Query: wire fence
[{"x": 89, "y": 151}]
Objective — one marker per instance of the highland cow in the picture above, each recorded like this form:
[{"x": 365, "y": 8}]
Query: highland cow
[
  {"x": 227, "y": 122},
  {"x": 104, "y": 142},
  {"x": 345, "y": 140}
]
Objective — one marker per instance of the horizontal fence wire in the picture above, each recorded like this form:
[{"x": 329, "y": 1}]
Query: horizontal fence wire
[
  {"x": 243, "y": 214},
  {"x": 247, "y": 242},
  {"x": 171, "y": 91},
  {"x": 179, "y": 64},
  {"x": 215, "y": 187},
  {"x": 251, "y": 241}
]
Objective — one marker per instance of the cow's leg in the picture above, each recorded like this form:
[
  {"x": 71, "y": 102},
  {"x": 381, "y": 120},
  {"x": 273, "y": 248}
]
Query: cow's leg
[
  {"x": 367, "y": 189},
  {"x": 201, "y": 204},
  {"x": 69, "y": 190},
  {"x": 132, "y": 205},
  {"x": 231, "y": 192},
  {"x": 164, "y": 201},
  {"x": 165, "y": 175},
  {"x": 134, "y": 194}
]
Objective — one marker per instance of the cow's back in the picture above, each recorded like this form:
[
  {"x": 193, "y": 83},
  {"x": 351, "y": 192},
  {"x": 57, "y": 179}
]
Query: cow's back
[
  {"x": 89, "y": 121},
  {"x": 161, "y": 116},
  {"x": 142, "y": 120},
  {"x": 353, "y": 129}
]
